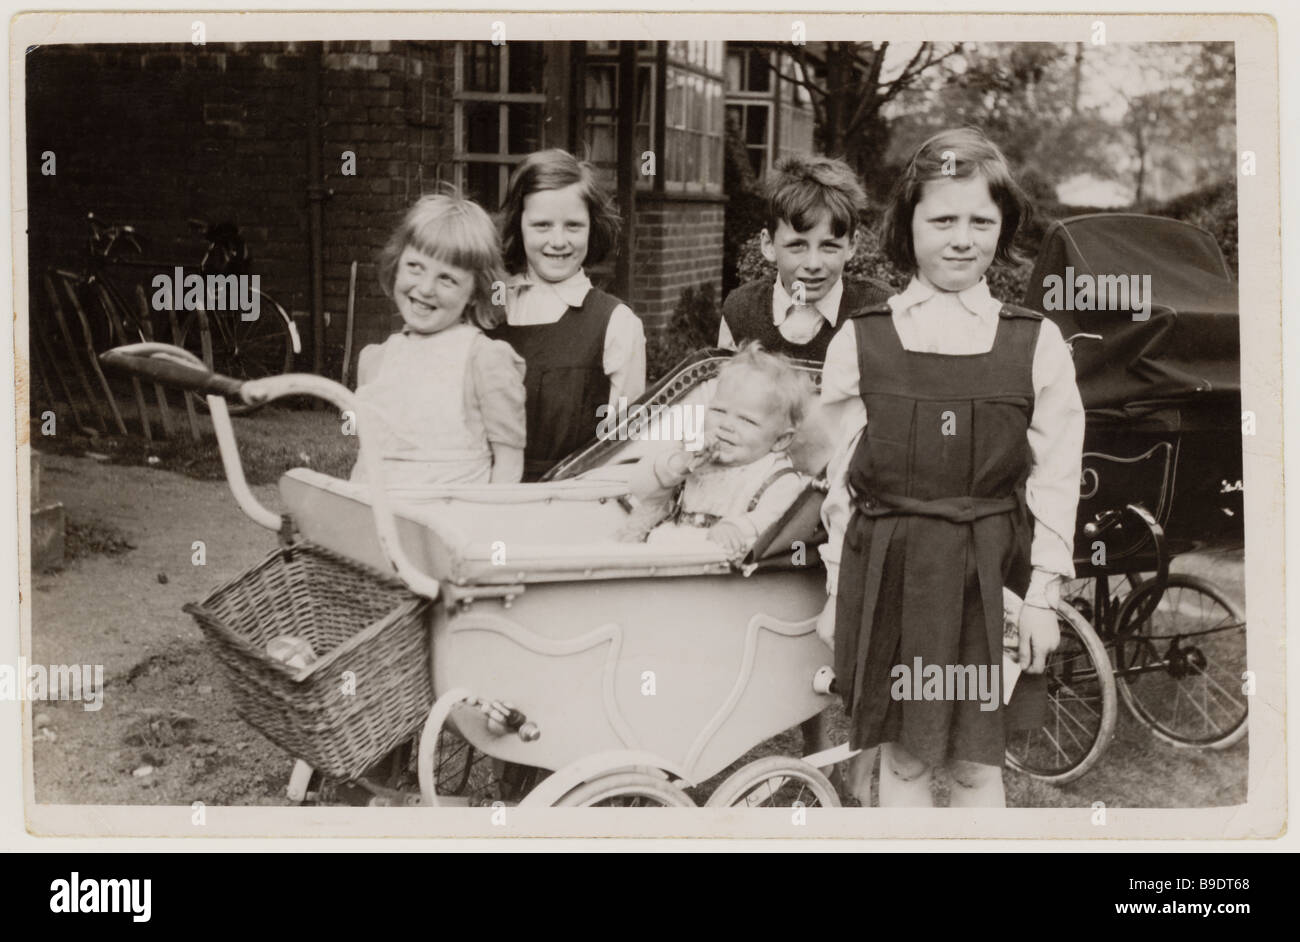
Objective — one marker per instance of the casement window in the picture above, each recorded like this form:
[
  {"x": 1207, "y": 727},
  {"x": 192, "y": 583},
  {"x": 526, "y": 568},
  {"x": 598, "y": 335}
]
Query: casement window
[{"x": 499, "y": 102}]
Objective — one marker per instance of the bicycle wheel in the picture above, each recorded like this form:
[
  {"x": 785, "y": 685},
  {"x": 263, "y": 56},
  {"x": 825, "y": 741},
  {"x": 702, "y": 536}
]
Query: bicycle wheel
[
  {"x": 1180, "y": 666},
  {"x": 626, "y": 790},
  {"x": 1081, "y": 706},
  {"x": 775, "y": 782},
  {"x": 251, "y": 349}
]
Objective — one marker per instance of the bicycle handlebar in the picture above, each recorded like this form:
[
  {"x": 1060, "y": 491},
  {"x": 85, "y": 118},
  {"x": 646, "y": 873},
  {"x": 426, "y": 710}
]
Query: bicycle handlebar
[{"x": 178, "y": 366}]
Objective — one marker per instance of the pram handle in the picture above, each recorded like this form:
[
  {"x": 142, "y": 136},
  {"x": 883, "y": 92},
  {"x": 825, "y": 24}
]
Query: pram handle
[
  {"x": 174, "y": 366},
  {"x": 179, "y": 367}
]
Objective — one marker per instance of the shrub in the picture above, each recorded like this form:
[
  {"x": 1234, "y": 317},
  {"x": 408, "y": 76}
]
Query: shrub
[
  {"x": 1213, "y": 208},
  {"x": 743, "y": 217},
  {"x": 693, "y": 326}
]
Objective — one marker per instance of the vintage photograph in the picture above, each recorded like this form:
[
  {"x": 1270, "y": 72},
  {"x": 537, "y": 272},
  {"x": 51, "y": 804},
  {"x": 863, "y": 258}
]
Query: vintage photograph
[{"x": 800, "y": 422}]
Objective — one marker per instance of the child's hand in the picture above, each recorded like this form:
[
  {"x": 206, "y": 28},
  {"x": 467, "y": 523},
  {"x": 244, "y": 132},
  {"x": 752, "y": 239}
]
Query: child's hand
[
  {"x": 826, "y": 624},
  {"x": 728, "y": 536},
  {"x": 1039, "y": 636}
]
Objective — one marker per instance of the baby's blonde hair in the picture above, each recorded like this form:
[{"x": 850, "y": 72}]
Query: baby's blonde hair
[{"x": 788, "y": 386}]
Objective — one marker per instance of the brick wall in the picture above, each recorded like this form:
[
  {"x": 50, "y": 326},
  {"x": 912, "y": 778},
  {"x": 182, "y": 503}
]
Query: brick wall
[
  {"x": 151, "y": 135},
  {"x": 678, "y": 245}
]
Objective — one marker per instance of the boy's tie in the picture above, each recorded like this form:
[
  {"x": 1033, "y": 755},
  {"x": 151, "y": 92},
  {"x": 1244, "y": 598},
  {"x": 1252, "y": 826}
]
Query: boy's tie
[{"x": 802, "y": 321}]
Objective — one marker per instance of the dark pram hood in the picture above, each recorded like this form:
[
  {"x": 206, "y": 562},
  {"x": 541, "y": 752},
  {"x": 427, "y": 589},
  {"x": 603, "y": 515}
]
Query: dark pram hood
[{"x": 1189, "y": 347}]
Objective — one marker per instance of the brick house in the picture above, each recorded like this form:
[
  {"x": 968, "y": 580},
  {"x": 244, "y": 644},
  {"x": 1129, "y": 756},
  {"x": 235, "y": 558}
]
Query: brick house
[{"x": 152, "y": 135}]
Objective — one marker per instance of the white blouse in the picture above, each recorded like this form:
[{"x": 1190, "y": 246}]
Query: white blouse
[{"x": 965, "y": 323}]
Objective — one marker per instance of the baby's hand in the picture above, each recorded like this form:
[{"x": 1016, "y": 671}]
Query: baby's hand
[{"x": 728, "y": 536}]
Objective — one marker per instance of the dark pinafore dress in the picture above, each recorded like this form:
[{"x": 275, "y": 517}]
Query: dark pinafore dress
[
  {"x": 565, "y": 381},
  {"x": 939, "y": 525}
]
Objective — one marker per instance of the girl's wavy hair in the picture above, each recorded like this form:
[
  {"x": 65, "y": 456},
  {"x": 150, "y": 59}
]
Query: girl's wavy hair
[
  {"x": 791, "y": 390},
  {"x": 554, "y": 170},
  {"x": 963, "y": 153},
  {"x": 456, "y": 231}
]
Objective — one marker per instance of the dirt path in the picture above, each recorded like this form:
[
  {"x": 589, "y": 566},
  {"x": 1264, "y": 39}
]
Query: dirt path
[{"x": 165, "y": 704}]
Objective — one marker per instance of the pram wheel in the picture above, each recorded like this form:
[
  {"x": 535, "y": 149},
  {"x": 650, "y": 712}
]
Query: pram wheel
[
  {"x": 452, "y": 773},
  {"x": 1180, "y": 658},
  {"x": 626, "y": 790},
  {"x": 775, "y": 782},
  {"x": 1081, "y": 708}
]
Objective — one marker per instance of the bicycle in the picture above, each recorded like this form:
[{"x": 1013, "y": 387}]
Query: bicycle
[{"x": 251, "y": 348}]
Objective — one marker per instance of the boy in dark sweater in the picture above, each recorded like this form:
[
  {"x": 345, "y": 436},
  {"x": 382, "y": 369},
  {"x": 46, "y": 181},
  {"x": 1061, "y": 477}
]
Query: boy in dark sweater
[{"x": 813, "y": 207}]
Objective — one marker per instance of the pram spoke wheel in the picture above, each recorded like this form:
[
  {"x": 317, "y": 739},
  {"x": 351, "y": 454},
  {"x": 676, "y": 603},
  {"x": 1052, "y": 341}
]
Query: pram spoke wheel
[
  {"x": 1081, "y": 708},
  {"x": 775, "y": 782},
  {"x": 1180, "y": 661},
  {"x": 626, "y": 790},
  {"x": 453, "y": 773}
]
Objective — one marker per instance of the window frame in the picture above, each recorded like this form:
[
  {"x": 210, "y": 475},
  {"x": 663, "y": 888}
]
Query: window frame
[
  {"x": 715, "y": 77},
  {"x": 503, "y": 98}
]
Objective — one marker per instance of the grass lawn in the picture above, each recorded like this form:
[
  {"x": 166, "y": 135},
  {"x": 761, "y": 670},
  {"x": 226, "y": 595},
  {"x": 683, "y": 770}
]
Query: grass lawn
[{"x": 271, "y": 441}]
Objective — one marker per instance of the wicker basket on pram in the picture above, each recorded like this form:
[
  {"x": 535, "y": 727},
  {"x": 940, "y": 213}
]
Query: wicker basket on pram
[{"x": 369, "y": 687}]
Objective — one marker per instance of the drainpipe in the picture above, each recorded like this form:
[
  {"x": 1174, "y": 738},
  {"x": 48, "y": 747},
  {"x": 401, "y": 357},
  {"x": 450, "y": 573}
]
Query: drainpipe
[
  {"x": 316, "y": 195},
  {"x": 628, "y": 165}
]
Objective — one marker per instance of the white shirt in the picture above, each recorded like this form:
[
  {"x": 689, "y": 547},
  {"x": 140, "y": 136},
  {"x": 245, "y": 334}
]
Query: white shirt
[
  {"x": 530, "y": 301},
  {"x": 797, "y": 323},
  {"x": 964, "y": 323}
]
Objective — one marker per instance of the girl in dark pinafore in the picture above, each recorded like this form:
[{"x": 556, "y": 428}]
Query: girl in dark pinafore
[
  {"x": 584, "y": 348},
  {"x": 962, "y": 433}
]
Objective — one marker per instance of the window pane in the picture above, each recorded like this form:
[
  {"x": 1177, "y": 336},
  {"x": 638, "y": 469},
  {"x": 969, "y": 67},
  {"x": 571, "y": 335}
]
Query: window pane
[
  {"x": 484, "y": 184},
  {"x": 736, "y": 118},
  {"x": 735, "y": 77},
  {"x": 525, "y": 128},
  {"x": 760, "y": 79},
  {"x": 644, "y": 93},
  {"x": 482, "y": 127},
  {"x": 601, "y": 87},
  {"x": 756, "y": 160},
  {"x": 482, "y": 63},
  {"x": 601, "y": 143},
  {"x": 756, "y": 124},
  {"x": 525, "y": 67}
]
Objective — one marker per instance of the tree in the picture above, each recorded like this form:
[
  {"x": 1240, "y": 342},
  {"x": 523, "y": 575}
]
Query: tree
[
  {"x": 851, "y": 84},
  {"x": 1179, "y": 117}
]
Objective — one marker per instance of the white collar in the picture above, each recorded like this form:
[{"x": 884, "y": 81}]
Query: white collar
[
  {"x": 572, "y": 290},
  {"x": 976, "y": 299},
  {"x": 828, "y": 306}
]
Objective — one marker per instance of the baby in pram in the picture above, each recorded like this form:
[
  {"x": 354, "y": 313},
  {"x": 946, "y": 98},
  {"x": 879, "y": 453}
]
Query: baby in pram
[{"x": 740, "y": 479}]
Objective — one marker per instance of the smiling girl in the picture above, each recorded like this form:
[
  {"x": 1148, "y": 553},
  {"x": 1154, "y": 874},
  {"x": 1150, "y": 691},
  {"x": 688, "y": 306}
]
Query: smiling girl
[
  {"x": 959, "y": 475},
  {"x": 443, "y": 403},
  {"x": 584, "y": 348}
]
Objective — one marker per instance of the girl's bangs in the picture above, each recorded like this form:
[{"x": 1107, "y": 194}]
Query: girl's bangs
[{"x": 454, "y": 239}]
